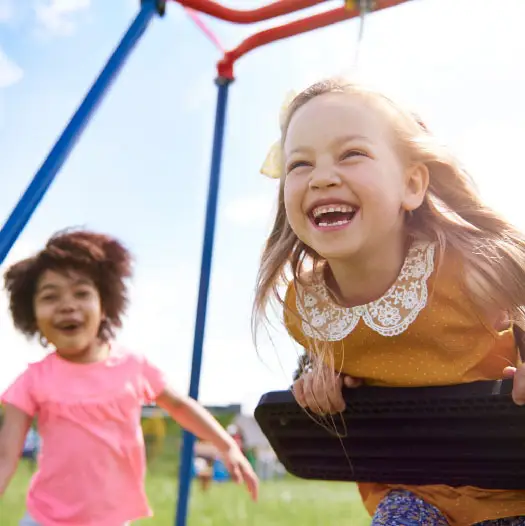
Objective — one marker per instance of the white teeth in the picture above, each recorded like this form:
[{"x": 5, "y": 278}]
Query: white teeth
[
  {"x": 320, "y": 210},
  {"x": 336, "y": 223}
]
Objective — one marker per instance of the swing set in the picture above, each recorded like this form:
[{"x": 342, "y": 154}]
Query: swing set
[{"x": 387, "y": 436}]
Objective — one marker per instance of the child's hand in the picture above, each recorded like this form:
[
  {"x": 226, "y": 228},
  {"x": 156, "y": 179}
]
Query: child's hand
[
  {"x": 321, "y": 391},
  {"x": 241, "y": 470},
  {"x": 518, "y": 389}
]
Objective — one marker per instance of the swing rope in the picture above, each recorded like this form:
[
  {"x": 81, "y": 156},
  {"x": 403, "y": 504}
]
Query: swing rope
[
  {"x": 365, "y": 7},
  {"x": 199, "y": 22}
]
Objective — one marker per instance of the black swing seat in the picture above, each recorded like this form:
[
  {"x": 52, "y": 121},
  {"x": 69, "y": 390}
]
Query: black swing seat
[{"x": 462, "y": 435}]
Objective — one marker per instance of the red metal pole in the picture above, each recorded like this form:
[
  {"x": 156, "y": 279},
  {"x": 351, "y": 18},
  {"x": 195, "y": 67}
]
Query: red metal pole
[
  {"x": 225, "y": 66},
  {"x": 273, "y": 10}
]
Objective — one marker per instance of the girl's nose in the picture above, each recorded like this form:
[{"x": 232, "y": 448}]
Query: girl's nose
[
  {"x": 323, "y": 178},
  {"x": 67, "y": 304}
]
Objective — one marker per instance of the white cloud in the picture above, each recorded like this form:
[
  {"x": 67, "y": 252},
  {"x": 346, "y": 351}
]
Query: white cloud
[
  {"x": 10, "y": 73},
  {"x": 59, "y": 17}
]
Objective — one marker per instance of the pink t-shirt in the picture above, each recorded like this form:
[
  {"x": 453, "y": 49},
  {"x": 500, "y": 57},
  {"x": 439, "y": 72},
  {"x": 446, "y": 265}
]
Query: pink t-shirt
[{"x": 92, "y": 461}]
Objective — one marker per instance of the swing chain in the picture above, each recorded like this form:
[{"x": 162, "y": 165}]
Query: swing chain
[{"x": 365, "y": 7}]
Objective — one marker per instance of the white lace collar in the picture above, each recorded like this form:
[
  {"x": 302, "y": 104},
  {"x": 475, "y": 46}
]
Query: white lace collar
[{"x": 390, "y": 315}]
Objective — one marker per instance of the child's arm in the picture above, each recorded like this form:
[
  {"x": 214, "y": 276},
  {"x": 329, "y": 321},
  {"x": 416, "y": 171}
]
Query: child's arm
[
  {"x": 12, "y": 435},
  {"x": 196, "y": 419}
]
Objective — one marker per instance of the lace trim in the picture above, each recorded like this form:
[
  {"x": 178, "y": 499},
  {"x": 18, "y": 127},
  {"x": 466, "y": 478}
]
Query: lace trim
[{"x": 390, "y": 315}]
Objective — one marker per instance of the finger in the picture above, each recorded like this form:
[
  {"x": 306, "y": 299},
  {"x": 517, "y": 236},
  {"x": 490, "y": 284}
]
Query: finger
[
  {"x": 350, "y": 381},
  {"x": 251, "y": 481},
  {"x": 337, "y": 399},
  {"x": 322, "y": 391},
  {"x": 309, "y": 393},
  {"x": 326, "y": 389},
  {"x": 518, "y": 389},
  {"x": 235, "y": 473},
  {"x": 298, "y": 392},
  {"x": 334, "y": 393},
  {"x": 509, "y": 372},
  {"x": 320, "y": 400},
  {"x": 334, "y": 387}
]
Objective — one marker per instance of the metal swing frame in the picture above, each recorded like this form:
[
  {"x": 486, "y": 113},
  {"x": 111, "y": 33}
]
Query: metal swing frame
[{"x": 59, "y": 153}]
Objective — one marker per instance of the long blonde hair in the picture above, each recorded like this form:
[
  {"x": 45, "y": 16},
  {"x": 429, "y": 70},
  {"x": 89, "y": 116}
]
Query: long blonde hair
[{"x": 452, "y": 214}]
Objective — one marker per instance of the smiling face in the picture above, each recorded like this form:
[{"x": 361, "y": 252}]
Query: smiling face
[
  {"x": 346, "y": 187},
  {"x": 68, "y": 312}
]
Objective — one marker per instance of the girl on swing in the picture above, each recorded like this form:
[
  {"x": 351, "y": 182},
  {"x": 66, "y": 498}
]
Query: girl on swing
[{"x": 396, "y": 273}]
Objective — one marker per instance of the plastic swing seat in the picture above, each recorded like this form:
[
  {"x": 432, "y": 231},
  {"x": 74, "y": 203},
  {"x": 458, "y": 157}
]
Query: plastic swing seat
[{"x": 462, "y": 435}]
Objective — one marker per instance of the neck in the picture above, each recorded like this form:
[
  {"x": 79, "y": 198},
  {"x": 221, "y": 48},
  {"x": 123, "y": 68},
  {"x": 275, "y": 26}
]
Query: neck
[
  {"x": 95, "y": 352},
  {"x": 368, "y": 276}
]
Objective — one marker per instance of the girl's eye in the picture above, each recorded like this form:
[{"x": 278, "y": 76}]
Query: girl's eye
[
  {"x": 82, "y": 293},
  {"x": 297, "y": 164},
  {"x": 353, "y": 153},
  {"x": 48, "y": 297}
]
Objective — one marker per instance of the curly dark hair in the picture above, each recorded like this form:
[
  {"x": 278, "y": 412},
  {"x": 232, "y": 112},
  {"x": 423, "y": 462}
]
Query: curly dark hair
[{"x": 100, "y": 257}]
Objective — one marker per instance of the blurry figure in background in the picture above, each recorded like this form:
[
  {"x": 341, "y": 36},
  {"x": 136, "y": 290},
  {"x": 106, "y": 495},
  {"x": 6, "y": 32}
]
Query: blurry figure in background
[
  {"x": 237, "y": 436},
  {"x": 236, "y": 433},
  {"x": 205, "y": 456},
  {"x": 31, "y": 447},
  {"x": 154, "y": 430},
  {"x": 267, "y": 465}
]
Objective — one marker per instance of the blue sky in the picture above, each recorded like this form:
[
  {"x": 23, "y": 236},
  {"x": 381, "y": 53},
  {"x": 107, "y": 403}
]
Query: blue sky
[{"x": 140, "y": 170}]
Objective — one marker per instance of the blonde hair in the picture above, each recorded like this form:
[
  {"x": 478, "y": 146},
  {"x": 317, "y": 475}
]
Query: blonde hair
[{"x": 452, "y": 214}]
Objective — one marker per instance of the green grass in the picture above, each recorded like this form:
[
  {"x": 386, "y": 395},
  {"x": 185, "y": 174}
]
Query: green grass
[{"x": 288, "y": 502}]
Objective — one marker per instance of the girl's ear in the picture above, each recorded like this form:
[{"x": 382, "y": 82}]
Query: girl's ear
[
  {"x": 104, "y": 324},
  {"x": 417, "y": 178}
]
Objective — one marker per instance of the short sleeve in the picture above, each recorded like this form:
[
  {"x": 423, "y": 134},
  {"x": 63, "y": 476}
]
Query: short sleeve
[
  {"x": 20, "y": 394},
  {"x": 154, "y": 380}
]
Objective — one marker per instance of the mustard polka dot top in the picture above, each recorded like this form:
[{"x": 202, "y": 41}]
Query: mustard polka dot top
[{"x": 425, "y": 331}]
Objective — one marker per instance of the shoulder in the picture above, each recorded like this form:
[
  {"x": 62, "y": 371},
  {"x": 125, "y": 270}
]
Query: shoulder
[
  {"x": 123, "y": 356},
  {"x": 480, "y": 282},
  {"x": 39, "y": 368},
  {"x": 23, "y": 390},
  {"x": 476, "y": 274},
  {"x": 480, "y": 279},
  {"x": 133, "y": 359}
]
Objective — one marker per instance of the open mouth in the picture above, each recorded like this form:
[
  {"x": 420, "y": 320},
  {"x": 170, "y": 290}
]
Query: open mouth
[
  {"x": 329, "y": 216},
  {"x": 69, "y": 327}
]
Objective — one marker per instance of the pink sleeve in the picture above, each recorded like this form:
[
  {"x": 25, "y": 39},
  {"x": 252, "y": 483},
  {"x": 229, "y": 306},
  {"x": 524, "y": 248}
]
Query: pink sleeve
[
  {"x": 20, "y": 394},
  {"x": 154, "y": 380}
]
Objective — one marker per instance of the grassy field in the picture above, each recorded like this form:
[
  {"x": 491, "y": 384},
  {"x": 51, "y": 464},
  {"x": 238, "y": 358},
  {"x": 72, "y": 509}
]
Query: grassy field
[{"x": 288, "y": 502}]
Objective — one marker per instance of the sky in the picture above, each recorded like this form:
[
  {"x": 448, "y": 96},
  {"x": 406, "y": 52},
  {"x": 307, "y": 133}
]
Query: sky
[{"x": 140, "y": 170}]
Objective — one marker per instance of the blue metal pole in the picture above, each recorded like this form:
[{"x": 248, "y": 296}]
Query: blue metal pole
[
  {"x": 57, "y": 156},
  {"x": 202, "y": 301}
]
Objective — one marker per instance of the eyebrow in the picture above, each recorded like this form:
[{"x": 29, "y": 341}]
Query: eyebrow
[
  {"x": 336, "y": 142},
  {"x": 52, "y": 286},
  {"x": 353, "y": 137}
]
